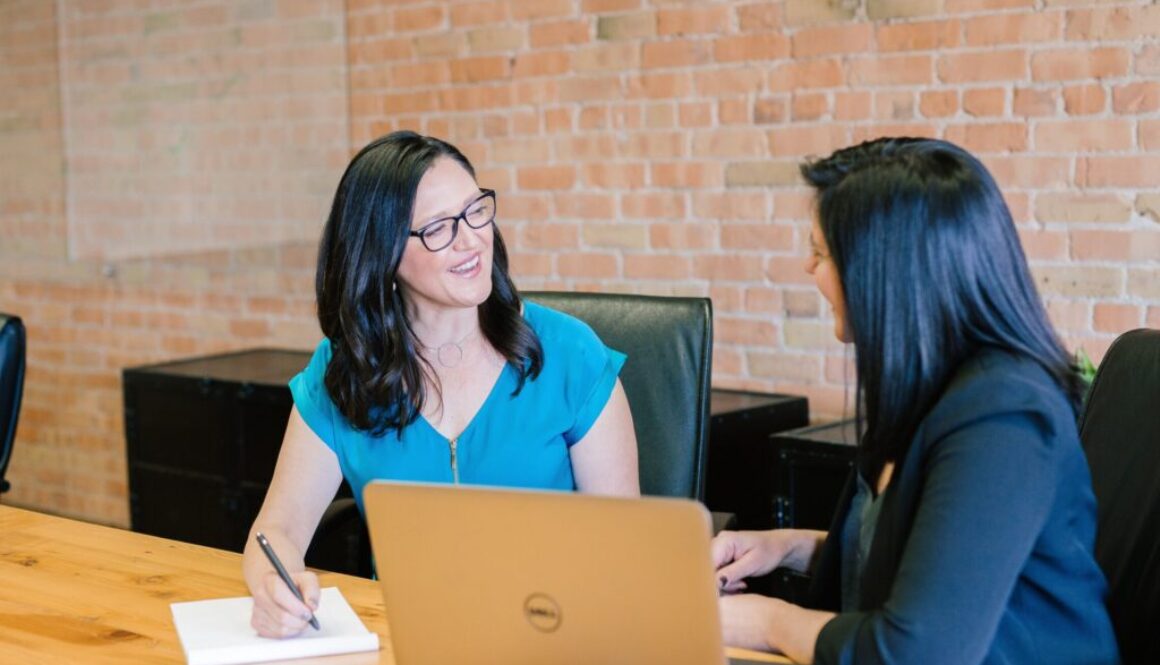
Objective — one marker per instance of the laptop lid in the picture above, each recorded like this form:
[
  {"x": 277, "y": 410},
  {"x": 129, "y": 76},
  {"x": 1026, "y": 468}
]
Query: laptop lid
[{"x": 506, "y": 576}]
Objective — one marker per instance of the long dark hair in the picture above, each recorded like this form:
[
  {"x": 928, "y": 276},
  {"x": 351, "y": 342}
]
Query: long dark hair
[
  {"x": 375, "y": 375},
  {"x": 932, "y": 271}
]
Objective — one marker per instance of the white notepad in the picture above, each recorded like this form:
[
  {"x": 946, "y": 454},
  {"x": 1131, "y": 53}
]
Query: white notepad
[{"x": 218, "y": 632}]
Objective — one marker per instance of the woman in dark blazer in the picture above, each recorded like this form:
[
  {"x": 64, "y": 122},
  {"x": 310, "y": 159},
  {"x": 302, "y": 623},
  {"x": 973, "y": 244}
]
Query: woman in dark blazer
[{"x": 965, "y": 534}]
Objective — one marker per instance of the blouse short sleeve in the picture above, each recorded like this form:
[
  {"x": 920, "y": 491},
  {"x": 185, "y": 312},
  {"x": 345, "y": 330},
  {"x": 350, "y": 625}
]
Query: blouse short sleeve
[
  {"x": 578, "y": 361},
  {"x": 308, "y": 389}
]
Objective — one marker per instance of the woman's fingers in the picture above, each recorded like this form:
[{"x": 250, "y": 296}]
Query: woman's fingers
[{"x": 278, "y": 612}]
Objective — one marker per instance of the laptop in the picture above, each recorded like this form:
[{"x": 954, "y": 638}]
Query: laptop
[{"x": 507, "y": 576}]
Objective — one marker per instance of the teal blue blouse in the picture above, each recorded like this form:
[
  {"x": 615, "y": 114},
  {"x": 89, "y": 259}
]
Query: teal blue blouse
[{"x": 513, "y": 441}]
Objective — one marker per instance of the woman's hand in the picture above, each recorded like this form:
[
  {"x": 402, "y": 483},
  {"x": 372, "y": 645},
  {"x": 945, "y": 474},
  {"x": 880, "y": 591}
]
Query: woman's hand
[
  {"x": 746, "y": 619},
  {"x": 277, "y": 613},
  {"x": 771, "y": 624},
  {"x": 741, "y": 554}
]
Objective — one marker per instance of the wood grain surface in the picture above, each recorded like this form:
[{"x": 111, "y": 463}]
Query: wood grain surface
[{"x": 73, "y": 592}]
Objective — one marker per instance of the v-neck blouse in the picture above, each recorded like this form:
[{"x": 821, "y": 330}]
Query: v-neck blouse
[{"x": 512, "y": 441}]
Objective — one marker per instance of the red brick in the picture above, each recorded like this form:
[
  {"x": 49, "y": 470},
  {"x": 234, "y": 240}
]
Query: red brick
[
  {"x": 731, "y": 205},
  {"x": 852, "y": 105},
  {"x": 695, "y": 114},
  {"x": 938, "y": 103},
  {"x": 1115, "y": 318},
  {"x": 809, "y": 106},
  {"x": 982, "y": 102},
  {"x": 1132, "y": 98},
  {"x": 1083, "y": 135},
  {"x": 546, "y": 177},
  {"x": 660, "y": 85},
  {"x": 761, "y": 236},
  {"x": 1030, "y": 171},
  {"x": 734, "y": 110},
  {"x": 1006, "y": 65},
  {"x": 1082, "y": 208},
  {"x": 606, "y": 57},
  {"x": 693, "y": 21},
  {"x": 1015, "y": 29},
  {"x": 750, "y": 48},
  {"x": 587, "y": 265},
  {"x": 683, "y": 236},
  {"x": 541, "y": 63},
  {"x": 891, "y": 70},
  {"x": 793, "y": 76},
  {"x": 598, "y": 6},
  {"x": 654, "y": 266},
  {"x": 805, "y": 141},
  {"x": 422, "y": 18},
  {"x": 478, "y": 13},
  {"x": 1115, "y": 246},
  {"x": 759, "y": 17},
  {"x": 540, "y": 9},
  {"x": 688, "y": 174},
  {"x": 653, "y": 205},
  {"x": 1070, "y": 64},
  {"x": 675, "y": 53},
  {"x": 1040, "y": 245},
  {"x": 1114, "y": 24},
  {"x": 1077, "y": 281},
  {"x": 1085, "y": 99},
  {"x": 990, "y": 137},
  {"x": 894, "y": 105},
  {"x": 551, "y": 235},
  {"x": 974, "y": 6},
  {"x": 891, "y": 9},
  {"x": 829, "y": 40},
  {"x": 556, "y": 34},
  {"x": 729, "y": 81},
  {"x": 806, "y": 12},
  {"x": 733, "y": 268},
  {"x": 734, "y": 330},
  {"x": 1035, "y": 102},
  {"x": 1138, "y": 171},
  {"x": 920, "y": 36}
]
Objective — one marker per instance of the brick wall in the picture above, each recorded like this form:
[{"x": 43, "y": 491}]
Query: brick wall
[{"x": 161, "y": 183}]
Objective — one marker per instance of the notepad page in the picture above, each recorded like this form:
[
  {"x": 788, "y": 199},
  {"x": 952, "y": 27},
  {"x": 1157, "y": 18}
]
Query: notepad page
[{"x": 218, "y": 632}]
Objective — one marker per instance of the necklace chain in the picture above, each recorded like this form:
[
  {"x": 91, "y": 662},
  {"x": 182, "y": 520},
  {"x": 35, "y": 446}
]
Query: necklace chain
[{"x": 449, "y": 354}]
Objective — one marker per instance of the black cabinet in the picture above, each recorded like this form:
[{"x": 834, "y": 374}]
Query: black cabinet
[
  {"x": 813, "y": 464},
  {"x": 202, "y": 438},
  {"x": 742, "y": 463}
]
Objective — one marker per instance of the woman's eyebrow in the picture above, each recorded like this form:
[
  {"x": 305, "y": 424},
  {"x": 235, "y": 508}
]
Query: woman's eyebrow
[{"x": 445, "y": 214}]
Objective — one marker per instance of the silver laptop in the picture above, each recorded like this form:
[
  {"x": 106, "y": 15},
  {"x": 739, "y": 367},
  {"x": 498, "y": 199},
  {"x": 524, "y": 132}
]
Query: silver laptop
[{"x": 481, "y": 575}]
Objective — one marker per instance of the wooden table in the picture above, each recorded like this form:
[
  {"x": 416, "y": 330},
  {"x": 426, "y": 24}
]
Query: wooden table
[{"x": 73, "y": 592}]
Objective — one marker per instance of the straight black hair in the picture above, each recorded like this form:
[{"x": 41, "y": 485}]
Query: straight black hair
[
  {"x": 932, "y": 270},
  {"x": 375, "y": 375}
]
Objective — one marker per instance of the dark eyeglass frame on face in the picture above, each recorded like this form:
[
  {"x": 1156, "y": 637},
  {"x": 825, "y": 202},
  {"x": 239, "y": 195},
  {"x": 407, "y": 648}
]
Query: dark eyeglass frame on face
[{"x": 454, "y": 221}]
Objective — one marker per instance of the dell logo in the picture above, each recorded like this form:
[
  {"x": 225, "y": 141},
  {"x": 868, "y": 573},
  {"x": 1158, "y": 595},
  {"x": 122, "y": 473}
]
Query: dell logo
[{"x": 542, "y": 612}]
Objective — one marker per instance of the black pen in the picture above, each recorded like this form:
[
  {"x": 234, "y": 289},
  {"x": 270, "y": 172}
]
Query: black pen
[{"x": 274, "y": 561}]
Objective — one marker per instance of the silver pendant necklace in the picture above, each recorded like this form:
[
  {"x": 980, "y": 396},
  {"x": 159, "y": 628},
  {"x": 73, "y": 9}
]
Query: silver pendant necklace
[{"x": 450, "y": 354}]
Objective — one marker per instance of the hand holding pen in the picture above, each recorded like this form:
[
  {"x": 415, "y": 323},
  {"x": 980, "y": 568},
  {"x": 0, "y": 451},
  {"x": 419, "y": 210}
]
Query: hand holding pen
[{"x": 282, "y": 573}]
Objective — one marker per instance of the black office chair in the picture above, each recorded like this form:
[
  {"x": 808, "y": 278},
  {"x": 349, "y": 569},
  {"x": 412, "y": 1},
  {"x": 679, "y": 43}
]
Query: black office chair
[
  {"x": 12, "y": 349},
  {"x": 666, "y": 379},
  {"x": 1120, "y": 430}
]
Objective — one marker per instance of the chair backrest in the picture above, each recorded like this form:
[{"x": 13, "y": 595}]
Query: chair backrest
[
  {"x": 666, "y": 378},
  {"x": 11, "y": 386},
  {"x": 1120, "y": 430}
]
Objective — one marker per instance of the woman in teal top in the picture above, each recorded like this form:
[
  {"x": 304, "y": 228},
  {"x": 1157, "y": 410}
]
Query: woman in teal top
[
  {"x": 515, "y": 439},
  {"x": 432, "y": 368}
]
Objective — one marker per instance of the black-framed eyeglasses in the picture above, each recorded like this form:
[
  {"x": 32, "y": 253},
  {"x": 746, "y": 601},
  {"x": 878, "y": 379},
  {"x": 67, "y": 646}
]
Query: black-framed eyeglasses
[{"x": 440, "y": 233}]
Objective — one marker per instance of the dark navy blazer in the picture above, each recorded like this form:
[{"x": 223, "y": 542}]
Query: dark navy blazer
[{"x": 983, "y": 548}]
